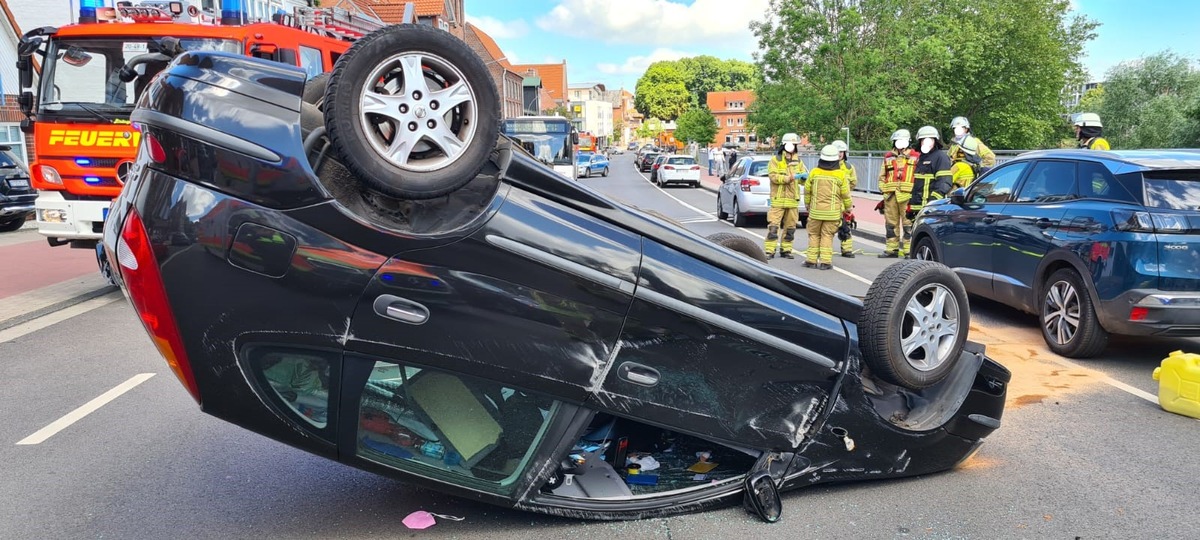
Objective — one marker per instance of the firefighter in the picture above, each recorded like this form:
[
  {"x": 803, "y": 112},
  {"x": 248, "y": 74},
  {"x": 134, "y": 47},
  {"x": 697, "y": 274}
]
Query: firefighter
[
  {"x": 962, "y": 172},
  {"x": 845, "y": 227},
  {"x": 827, "y": 197},
  {"x": 895, "y": 182},
  {"x": 931, "y": 178},
  {"x": 962, "y": 132},
  {"x": 786, "y": 171},
  {"x": 1088, "y": 130}
]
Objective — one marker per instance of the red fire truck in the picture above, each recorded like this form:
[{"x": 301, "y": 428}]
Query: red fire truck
[{"x": 93, "y": 72}]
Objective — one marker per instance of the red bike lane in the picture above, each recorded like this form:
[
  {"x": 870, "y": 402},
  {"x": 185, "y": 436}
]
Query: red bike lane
[{"x": 30, "y": 263}]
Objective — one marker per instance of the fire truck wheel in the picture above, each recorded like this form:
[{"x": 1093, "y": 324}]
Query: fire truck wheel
[
  {"x": 412, "y": 111},
  {"x": 314, "y": 91}
]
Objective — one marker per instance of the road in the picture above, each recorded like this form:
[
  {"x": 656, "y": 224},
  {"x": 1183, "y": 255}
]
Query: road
[{"x": 1081, "y": 453}]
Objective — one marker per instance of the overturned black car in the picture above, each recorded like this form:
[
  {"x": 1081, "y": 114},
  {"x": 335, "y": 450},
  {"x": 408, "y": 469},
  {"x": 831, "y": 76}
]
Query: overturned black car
[{"x": 368, "y": 272}]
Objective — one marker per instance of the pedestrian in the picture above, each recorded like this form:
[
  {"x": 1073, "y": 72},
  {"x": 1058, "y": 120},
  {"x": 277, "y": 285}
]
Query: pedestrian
[
  {"x": 785, "y": 171},
  {"x": 962, "y": 132},
  {"x": 845, "y": 228},
  {"x": 931, "y": 177},
  {"x": 827, "y": 197},
  {"x": 962, "y": 170},
  {"x": 896, "y": 183},
  {"x": 715, "y": 158},
  {"x": 1088, "y": 130},
  {"x": 733, "y": 155}
]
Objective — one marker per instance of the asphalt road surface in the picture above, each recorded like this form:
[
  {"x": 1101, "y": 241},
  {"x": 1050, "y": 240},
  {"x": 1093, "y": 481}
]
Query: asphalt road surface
[{"x": 1082, "y": 452}]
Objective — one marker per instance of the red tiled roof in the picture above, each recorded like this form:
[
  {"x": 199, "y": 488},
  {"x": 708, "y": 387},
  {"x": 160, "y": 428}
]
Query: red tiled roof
[
  {"x": 717, "y": 100},
  {"x": 492, "y": 48},
  {"x": 392, "y": 11},
  {"x": 554, "y": 77}
]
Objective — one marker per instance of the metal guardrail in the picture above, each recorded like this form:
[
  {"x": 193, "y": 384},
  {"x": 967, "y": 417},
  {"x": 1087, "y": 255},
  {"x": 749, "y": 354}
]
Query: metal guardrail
[{"x": 866, "y": 164}]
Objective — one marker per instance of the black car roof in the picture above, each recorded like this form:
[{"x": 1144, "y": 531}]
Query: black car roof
[{"x": 1134, "y": 159}]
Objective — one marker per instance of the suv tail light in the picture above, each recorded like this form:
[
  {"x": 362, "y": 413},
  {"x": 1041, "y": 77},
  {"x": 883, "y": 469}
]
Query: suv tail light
[
  {"x": 1152, "y": 222},
  {"x": 143, "y": 282},
  {"x": 747, "y": 183},
  {"x": 668, "y": 168}
]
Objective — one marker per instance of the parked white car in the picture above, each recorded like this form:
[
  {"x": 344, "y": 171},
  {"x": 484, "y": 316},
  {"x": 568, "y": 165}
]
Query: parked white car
[{"x": 678, "y": 169}]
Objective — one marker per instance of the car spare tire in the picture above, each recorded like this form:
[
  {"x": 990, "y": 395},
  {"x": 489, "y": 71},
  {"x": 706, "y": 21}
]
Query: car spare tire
[
  {"x": 411, "y": 111},
  {"x": 740, "y": 244},
  {"x": 314, "y": 90},
  {"x": 914, "y": 323}
]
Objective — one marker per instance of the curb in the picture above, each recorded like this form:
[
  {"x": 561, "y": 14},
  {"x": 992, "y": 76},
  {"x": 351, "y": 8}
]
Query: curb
[
  {"x": 860, "y": 232},
  {"x": 41, "y": 312}
]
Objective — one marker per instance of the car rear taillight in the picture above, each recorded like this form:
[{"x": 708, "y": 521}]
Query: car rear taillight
[
  {"x": 1138, "y": 313},
  {"x": 1154, "y": 222},
  {"x": 747, "y": 183},
  {"x": 695, "y": 167},
  {"x": 143, "y": 282},
  {"x": 668, "y": 168}
]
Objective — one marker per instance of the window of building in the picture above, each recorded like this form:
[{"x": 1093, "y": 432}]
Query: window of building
[
  {"x": 10, "y": 134},
  {"x": 741, "y": 121},
  {"x": 729, "y": 122}
]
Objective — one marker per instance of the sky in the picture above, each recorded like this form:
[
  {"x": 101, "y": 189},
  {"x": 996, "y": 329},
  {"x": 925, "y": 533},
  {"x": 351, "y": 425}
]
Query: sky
[{"x": 613, "y": 41}]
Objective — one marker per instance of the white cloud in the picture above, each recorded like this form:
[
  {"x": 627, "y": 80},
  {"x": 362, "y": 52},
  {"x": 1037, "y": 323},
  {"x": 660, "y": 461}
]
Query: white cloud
[
  {"x": 499, "y": 29},
  {"x": 638, "y": 64},
  {"x": 656, "y": 22}
]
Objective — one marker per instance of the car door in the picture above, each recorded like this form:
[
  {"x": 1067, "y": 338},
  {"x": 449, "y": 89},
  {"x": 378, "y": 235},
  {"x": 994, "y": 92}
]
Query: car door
[
  {"x": 709, "y": 354},
  {"x": 1025, "y": 228},
  {"x": 730, "y": 187},
  {"x": 965, "y": 232}
]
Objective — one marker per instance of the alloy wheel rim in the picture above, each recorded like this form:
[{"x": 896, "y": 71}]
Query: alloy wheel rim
[
  {"x": 411, "y": 124},
  {"x": 1060, "y": 312},
  {"x": 924, "y": 252},
  {"x": 930, "y": 327}
]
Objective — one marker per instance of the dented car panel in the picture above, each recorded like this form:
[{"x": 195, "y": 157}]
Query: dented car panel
[{"x": 516, "y": 341}]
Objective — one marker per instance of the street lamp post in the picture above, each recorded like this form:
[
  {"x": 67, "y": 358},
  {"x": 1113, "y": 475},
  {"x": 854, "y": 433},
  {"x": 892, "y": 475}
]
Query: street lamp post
[{"x": 847, "y": 128}]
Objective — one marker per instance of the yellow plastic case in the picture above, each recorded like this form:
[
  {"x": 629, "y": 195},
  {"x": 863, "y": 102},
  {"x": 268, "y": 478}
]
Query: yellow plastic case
[{"x": 1179, "y": 383}]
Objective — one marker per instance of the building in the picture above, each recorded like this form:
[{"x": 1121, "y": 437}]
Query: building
[
  {"x": 626, "y": 119},
  {"x": 1072, "y": 95},
  {"x": 593, "y": 113},
  {"x": 729, "y": 108},
  {"x": 532, "y": 93},
  {"x": 553, "y": 78},
  {"x": 449, "y": 15},
  {"x": 10, "y": 113},
  {"x": 509, "y": 83}
]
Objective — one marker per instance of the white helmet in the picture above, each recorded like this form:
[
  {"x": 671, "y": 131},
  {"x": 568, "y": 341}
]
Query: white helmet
[
  {"x": 830, "y": 153},
  {"x": 901, "y": 134},
  {"x": 928, "y": 132},
  {"x": 790, "y": 138},
  {"x": 841, "y": 145},
  {"x": 960, "y": 121},
  {"x": 1088, "y": 119}
]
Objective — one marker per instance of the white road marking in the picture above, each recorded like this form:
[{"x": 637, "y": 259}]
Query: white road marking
[
  {"x": 56, "y": 317},
  {"x": 674, "y": 198},
  {"x": 87, "y": 408}
]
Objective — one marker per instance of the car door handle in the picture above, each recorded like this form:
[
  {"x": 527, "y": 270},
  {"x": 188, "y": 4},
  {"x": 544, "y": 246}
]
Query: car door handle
[
  {"x": 638, "y": 374},
  {"x": 400, "y": 309},
  {"x": 1043, "y": 223}
]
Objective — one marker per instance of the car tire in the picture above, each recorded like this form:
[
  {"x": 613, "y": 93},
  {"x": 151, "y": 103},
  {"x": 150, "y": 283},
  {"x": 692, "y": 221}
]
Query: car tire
[
  {"x": 740, "y": 244},
  {"x": 739, "y": 219},
  {"x": 12, "y": 225},
  {"x": 914, "y": 323},
  {"x": 409, "y": 149},
  {"x": 924, "y": 250},
  {"x": 722, "y": 215},
  {"x": 604, "y": 173},
  {"x": 314, "y": 91},
  {"x": 1062, "y": 294}
]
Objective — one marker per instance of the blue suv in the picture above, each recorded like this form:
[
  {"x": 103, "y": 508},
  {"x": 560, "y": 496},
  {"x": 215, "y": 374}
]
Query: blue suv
[{"x": 1091, "y": 242}]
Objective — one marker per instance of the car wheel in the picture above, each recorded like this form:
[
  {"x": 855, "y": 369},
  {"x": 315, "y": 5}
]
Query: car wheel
[
  {"x": 924, "y": 250},
  {"x": 412, "y": 111},
  {"x": 604, "y": 173},
  {"x": 914, "y": 323},
  {"x": 13, "y": 225},
  {"x": 740, "y": 244},
  {"x": 721, "y": 214},
  {"x": 739, "y": 219},
  {"x": 314, "y": 91},
  {"x": 1069, "y": 323},
  {"x": 106, "y": 269}
]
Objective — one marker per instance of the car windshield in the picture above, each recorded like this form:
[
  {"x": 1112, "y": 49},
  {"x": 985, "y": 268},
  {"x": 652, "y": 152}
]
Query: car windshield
[
  {"x": 758, "y": 168},
  {"x": 679, "y": 160},
  {"x": 85, "y": 79},
  {"x": 548, "y": 140},
  {"x": 583, "y": 158},
  {"x": 1173, "y": 190}
]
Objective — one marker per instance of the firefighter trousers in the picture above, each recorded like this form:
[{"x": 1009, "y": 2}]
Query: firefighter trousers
[
  {"x": 780, "y": 218},
  {"x": 895, "y": 225},
  {"x": 820, "y": 240}
]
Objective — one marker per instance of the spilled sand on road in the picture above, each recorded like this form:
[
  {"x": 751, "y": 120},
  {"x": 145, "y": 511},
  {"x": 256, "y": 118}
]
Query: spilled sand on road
[{"x": 1035, "y": 378}]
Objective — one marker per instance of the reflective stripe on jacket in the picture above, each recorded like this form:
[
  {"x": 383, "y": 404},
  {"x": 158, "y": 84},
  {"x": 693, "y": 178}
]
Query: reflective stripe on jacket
[
  {"x": 931, "y": 178},
  {"x": 1096, "y": 143},
  {"x": 961, "y": 174},
  {"x": 785, "y": 189},
  {"x": 896, "y": 175},
  {"x": 827, "y": 194}
]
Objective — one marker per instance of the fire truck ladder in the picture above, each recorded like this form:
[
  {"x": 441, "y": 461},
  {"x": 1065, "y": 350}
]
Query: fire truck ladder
[{"x": 334, "y": 22}]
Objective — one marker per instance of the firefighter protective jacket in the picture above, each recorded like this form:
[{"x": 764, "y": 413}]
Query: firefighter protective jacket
[
  {"x": 785, "y": 188},
  {"x": 931, "y": 178},
  {"x": 827, "y": 194},
  {"x": 896, "y": 175}
]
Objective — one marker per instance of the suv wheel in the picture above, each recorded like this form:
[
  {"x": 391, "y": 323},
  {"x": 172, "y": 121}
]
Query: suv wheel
[
  {"x": 914, "y": 323},
  {"x": 1069, "y": 323},
  {"x": 924, "y": 250}
]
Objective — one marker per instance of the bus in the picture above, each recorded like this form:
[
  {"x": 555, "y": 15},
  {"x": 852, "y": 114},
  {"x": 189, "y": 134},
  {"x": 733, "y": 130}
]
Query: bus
[{"x": 549, "y": 139}]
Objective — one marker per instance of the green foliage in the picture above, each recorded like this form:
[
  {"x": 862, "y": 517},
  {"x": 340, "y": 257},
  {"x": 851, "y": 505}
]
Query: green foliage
[
  {"x": 699, "y": 75},
  {"x": 561, "y": 110},
  {"x": 1152, "y": 102},
  {"x": 696, "y": 125},
  {"x": 661, "y": 92},
  {"x": 650, "y": 129},
  {"x": 878, "y": 65}
]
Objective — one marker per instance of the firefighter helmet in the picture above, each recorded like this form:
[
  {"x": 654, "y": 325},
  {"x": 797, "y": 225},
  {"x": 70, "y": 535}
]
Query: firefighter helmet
[
  {"x": 928, "y": 132},
  {"x": 1088, "y": 119},
  {"x": 830, "y": 153},
  {"x": 960, "y": 121}
]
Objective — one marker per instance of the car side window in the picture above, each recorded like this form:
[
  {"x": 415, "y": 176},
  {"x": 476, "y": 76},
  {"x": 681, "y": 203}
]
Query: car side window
[
  {"x": 737, "y": 170},
  {"x": 1048, "y": 181},
  {"x": 1096, "y": 182},
  {"x": 997, "y": 186}
]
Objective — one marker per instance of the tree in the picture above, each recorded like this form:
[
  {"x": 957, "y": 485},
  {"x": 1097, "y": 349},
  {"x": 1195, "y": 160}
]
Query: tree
[
  {"x": 876, "y": 65},
  {"x": 560, "y": 110},
  {"x": 650, "y": 129},
  {"x": 661, "y": 92},
  {"x": 696, "y": 125},
  {"x": 618, "y": 129},
  {"x": 1151, "y": 103}
]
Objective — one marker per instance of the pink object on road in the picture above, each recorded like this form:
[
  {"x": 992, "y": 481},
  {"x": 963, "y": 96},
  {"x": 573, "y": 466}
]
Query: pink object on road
[{"x": 424, "y": 520}]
